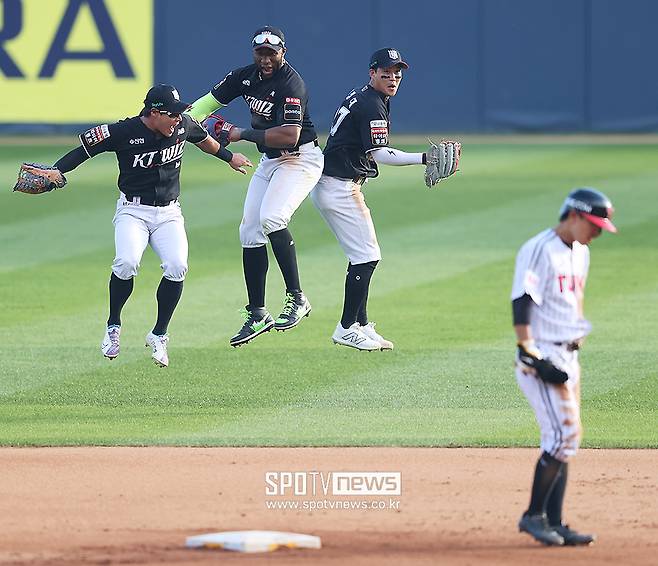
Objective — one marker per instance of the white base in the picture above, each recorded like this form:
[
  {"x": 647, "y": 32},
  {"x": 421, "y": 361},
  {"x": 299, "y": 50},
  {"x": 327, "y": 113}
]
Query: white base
[{"x": 253, "y": 541}]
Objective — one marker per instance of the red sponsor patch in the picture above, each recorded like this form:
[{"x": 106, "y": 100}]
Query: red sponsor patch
[
  {"x": 96, "y": 135},
  {"x": 379, "y": 136},
  {"x": 293, "y": 100}
]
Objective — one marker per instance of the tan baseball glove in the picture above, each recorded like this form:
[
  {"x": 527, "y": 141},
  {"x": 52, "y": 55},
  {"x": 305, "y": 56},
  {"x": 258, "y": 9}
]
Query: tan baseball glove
[{"x": 34, "y": 179}]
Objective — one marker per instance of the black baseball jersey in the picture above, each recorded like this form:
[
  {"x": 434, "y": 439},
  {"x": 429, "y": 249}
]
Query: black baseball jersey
[
  {"x": 279, "y": 100},
  {"x": 149, "y": 163},
  {"x": 360, "y": 125}
]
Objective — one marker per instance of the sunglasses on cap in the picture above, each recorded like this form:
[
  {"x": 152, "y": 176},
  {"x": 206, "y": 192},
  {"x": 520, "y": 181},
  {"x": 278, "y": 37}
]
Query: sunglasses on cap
[{"x": 267, "y": 37}]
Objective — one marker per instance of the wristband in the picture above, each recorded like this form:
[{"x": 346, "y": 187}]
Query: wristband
[
  {"x": 224, "y": 154},
  {"x": 256, "y": 136}
]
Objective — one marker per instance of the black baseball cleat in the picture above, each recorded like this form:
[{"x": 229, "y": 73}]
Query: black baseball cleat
[
  {"x": 256, "y": 322},
  {"x": 295, "y": 308},
  {"x": 573, "y": 538},
  {"x": 537, "y": 527}
]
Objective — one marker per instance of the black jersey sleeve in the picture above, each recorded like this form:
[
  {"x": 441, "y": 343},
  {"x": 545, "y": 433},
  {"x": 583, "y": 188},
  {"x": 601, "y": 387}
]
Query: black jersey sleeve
[
  {"x": 373, "y": 124},
  {"x": 196, "y": 133},
  {"x": 228, "y": 88},
  {"x": 292, "y": 104},
  {"x": 100, "y": 138}
]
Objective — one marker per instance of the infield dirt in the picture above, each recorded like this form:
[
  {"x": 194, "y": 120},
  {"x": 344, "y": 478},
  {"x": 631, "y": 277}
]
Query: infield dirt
[{"x": 65, "y": 506}]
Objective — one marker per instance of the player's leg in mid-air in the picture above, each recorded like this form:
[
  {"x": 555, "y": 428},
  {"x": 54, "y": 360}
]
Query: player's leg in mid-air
[
  {"x": 276, "y": 190},
  {"x": 169, "y": 241},
  {"x": 131, "y": 236},
  {"x": 255, "y": 262},
  {"x": 290, "y": 184}
]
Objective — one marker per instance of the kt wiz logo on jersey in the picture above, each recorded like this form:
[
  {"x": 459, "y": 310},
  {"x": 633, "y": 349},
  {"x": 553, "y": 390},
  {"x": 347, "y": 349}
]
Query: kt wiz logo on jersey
[
  {"x": 261, "y": 107},
  {"x": 167, "y": 155}
]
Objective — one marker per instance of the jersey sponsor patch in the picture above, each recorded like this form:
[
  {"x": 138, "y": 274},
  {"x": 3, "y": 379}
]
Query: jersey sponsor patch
[
  {"x": 96, "y": 135},
  {"x": 292, "y": 111},
  {"x": 290, "y": 100},
  {"x": 379, "y": 132}
]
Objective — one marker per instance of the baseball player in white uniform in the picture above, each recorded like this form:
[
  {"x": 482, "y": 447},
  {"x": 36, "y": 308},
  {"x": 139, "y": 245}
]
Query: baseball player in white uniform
[
  {"x": 149, "y": 150},
  {"x": 289, "y": 168},
  {"x": 547, "y": 303}
]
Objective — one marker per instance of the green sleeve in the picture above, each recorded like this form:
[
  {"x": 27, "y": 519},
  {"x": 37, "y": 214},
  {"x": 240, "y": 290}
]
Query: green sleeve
[{"x": 203, "y": 107}]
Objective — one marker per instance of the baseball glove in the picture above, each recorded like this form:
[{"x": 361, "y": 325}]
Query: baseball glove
[
  {"x": 531, "y": 359},
  {"x": 441, "y": 161},
  {"x": 218, "y": 128},
  {"x": 34, "y": 179}
]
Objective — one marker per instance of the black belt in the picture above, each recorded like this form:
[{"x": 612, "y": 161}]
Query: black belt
[
  {"x": 149, "y": 201},
  {"x": 570, "y": 346},
  {"x": 294, "y": 151}
]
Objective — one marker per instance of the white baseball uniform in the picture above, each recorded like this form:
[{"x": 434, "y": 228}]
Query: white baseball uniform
[
  {"x": 553, "y": 274},
  {"x": 277, "y": 188}
]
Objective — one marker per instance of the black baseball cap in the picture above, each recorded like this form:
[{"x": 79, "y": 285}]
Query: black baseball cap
[
  {"x": 269, "y": 37},
  {"x": 387, "y": 57},
  {"x": 164, "y": 97}
]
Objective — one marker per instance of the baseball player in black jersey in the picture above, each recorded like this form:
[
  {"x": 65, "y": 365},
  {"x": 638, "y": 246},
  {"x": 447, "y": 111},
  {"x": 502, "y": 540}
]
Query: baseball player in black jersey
[
  {"x": 149, "y": 150},
  {"x": 289, "y": 168},
  {"x": 358, "y": 141}
]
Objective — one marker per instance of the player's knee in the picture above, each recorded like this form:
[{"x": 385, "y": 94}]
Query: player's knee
[
  {"x": 125, "y": 268},
  {"x": 175, "y": 270},
  {"x": 251, "y": 237},
  {"x": 272, "y": 223}
]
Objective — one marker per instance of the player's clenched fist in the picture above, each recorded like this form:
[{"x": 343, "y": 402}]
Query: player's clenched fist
[{"x": 220, "y": 129}]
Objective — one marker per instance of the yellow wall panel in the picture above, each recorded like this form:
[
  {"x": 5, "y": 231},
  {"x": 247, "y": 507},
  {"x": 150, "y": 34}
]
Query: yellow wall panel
[{"x": 55, "y": 85}]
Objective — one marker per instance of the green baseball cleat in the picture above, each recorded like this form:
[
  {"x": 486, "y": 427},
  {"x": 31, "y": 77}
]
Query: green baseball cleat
[
  {"x": 295, "y": 308},
  {"x": 257, "y": 321}
]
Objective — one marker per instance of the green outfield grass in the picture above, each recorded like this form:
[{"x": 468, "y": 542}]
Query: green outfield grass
[{"x": 441, "y": 293}]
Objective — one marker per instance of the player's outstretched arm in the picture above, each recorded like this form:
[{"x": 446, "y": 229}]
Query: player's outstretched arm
[
  {"x": 392, "y": 156},
  {"x": 35, "y": 178},
  {"x": 237, "y": 161},
  {"x": 281, "y": 137}
]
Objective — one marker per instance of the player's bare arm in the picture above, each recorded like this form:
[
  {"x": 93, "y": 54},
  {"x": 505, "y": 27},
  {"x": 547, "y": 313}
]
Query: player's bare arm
[{"x": 285, "y": 136}]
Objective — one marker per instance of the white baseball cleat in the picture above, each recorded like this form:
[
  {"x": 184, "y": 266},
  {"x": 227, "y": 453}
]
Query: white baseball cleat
[
  {"x": 110, "y": 343},
  {"x": 159, "y": 346},
  {"x": 354, "y": 338},
  {"x": 370, "y": 332}
]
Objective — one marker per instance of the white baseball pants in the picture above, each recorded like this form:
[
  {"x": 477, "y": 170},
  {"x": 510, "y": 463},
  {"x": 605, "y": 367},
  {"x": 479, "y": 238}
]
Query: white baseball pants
[
  {"x": 556, "y": 406},
  {"x": 277, "y": 188},
  {"x": 138, "y": 225},
  {"x": 343, "y": 206}
]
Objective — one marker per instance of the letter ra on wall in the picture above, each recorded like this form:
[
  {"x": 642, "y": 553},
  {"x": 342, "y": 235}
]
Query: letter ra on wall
[{"x": 89, "y": 60}]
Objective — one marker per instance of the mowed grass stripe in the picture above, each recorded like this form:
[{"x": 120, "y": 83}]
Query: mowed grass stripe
[{"x": 448, "y": 261}]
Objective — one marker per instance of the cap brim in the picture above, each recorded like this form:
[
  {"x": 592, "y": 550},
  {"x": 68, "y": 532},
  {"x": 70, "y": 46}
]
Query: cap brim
[
  {"x": 603, "y": 223},
  {"x": 177, "y": 107},
  {"x": 388, "y": 65}
]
